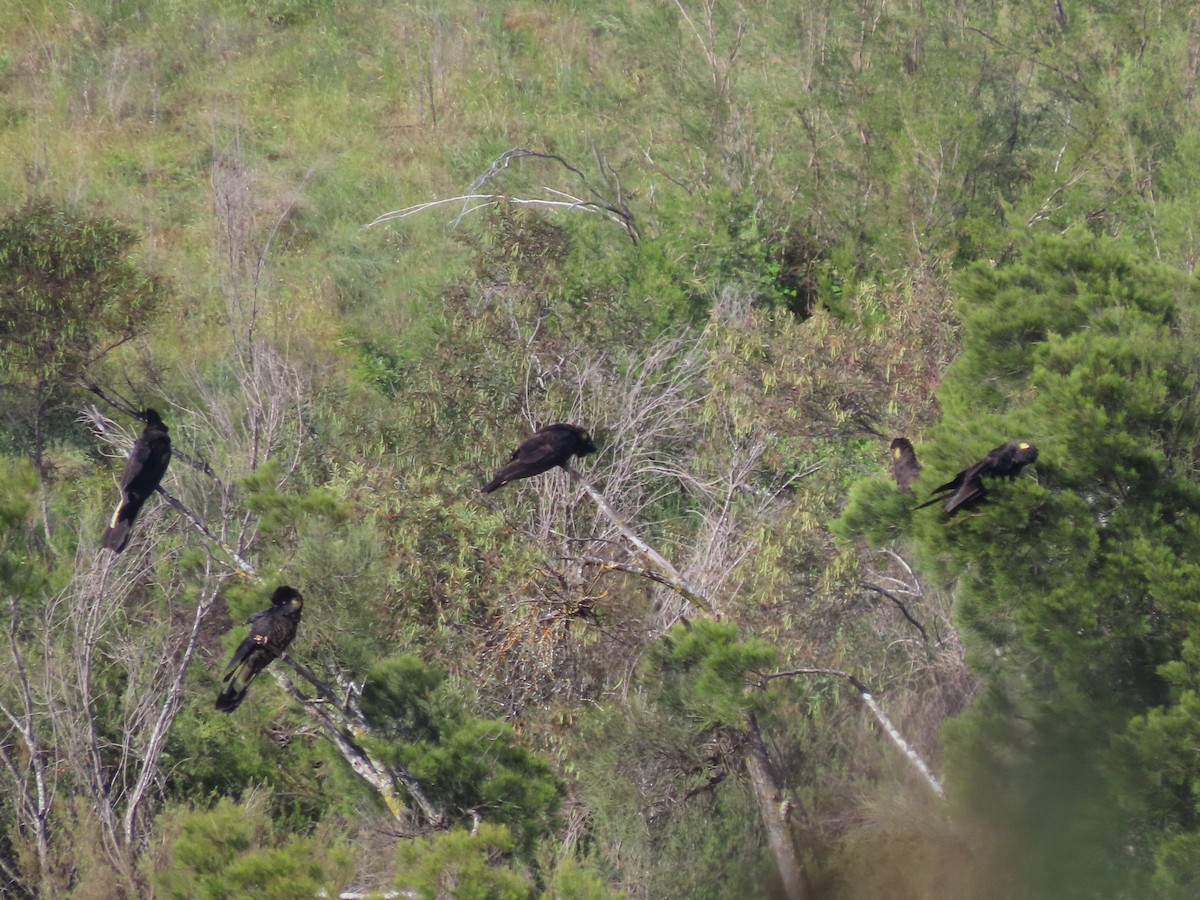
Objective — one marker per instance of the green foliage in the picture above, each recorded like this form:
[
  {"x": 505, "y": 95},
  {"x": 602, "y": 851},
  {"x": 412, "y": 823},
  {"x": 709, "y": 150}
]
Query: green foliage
[
  {"x": 473, "y": 866},
  {"x": 282, "y": 513},
  {"x": 803, "y": 183},
  {"x": 401, "y": 692},
  {"x": 470, "y": 765},
  {"x": 1075, "y": 590},
  {"x": 1042, "y": 307},
  {"x": 875, "y": 510},
  {"x": 1095, "y": 371},
  {"x": 668, "y": 808},
  {"x": 18, "y": 488},
  {"x": 656, "y": 777},
  {"x": 69, "y": 292},
  {"x": 572, "y": 880},
  {"x": 211, "y": 755},
  {"x": 1177, "y": 867},
  {"x": 229, "y": 851},
  {"x": 313, "y": 541},
  {"x": 283, "y": 13},
  {"x": 69, "y": 295},
  {"x": 706, "y": 670}
]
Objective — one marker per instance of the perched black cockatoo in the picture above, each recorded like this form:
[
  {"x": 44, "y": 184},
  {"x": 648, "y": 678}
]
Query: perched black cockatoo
[
  {"x": 271, "y": 631},
  {"x": 550, "y": 446},
  {"x": 144, "y": 471},
  {"x": 967, "y": 485},
  {"x": 905, "y": 466}
]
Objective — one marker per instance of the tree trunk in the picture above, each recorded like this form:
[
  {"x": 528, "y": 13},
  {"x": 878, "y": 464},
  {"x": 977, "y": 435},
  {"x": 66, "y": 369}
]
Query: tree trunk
[{"x": 774, "y": 811}]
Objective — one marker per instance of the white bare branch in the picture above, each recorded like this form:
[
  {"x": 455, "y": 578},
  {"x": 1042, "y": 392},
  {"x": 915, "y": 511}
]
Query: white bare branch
[
  {"x": 609, "y": 203},
  {"x": 872, "y": 705}
]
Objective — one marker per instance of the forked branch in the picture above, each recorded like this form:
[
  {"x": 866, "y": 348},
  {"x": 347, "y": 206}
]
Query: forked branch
[{"x": 341, "y": 718}]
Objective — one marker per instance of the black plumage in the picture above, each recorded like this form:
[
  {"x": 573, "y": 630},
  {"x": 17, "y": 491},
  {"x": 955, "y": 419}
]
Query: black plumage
[
  {"x": 551, "y": 446},
  {"x": 905, "y": 465},
  {"x": 271, "y": 631},
  {"x": 967, "y": 486},
  {"x": 143, "y": 473}
]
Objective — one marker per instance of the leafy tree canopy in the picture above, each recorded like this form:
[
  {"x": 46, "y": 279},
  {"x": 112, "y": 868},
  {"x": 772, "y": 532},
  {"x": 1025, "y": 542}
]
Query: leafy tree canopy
[
  {"x": 1076, "y": 587},
  {"x": 69, "y": 292}
]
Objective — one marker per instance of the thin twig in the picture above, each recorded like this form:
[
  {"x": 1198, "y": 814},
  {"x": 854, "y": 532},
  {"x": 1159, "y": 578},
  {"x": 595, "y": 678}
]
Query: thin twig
[
  {"x": 484, "y": 200},
  {"x": 100, "y": 426},
  {"x": 609, "y": 565}
]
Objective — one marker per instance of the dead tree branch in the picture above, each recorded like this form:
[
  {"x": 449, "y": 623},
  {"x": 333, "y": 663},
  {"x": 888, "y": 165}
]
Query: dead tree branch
[
  {"x": 899, "y": 605},
  {"x": 148, "y": 768},
  {"x": 244, "y": 568},
  {"x": 876, "y": 710},
  {"x": 105, "y": 429},
  {"x": 670, "y": 577},
  {"x": 667, "y": 573},
  {"x": 775, "y": 810},
  {"x": 34, "y": 790},
  {"x": 340, "y": 716},
  {"x": 611, "y": 205},
  {"x": 609, "y": 565}
]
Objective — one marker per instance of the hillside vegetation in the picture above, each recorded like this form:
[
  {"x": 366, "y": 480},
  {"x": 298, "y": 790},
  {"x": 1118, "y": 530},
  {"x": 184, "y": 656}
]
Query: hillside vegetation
[{"x": 355, "y": 253}]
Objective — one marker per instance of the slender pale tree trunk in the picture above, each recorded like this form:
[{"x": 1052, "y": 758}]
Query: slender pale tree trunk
[{"x": 773, "y": 809}]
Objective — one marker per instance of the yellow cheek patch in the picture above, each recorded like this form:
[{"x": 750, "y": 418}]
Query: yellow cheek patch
[
  {"x": 1022, "y": 446},
  {"x": 896, "y": 453}
]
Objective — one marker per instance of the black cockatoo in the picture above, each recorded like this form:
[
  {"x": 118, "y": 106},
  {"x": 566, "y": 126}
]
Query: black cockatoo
[
  {"x": 143, "y": 473},
  {"x": 905, "y": 466},
  {"x": 550, "y": 446},
  {"x": 967, "y": 486},
  {"x": 271, "y": 631}
]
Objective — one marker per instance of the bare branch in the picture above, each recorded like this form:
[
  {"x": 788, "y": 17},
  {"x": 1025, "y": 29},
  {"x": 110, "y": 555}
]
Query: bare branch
[
  {"x": 899, "y": 605},
  {"x": 612, "y": 206},
  {"x": 106, "y": 429},
  {"x": 341, "y": 719},
  {"x": 881, "y": 717},
  {"x": 668, "y": 574},
  {"x": 169, "y": 708},
  {"x": 670, "y": 577},
  {"x": 243, "y": 566},
  {"x": 773, "y": 809},
  {"x": 33, "y": 803},
  {"x": 610, "y": 566},
  {"x": 483, "y": 201}
]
